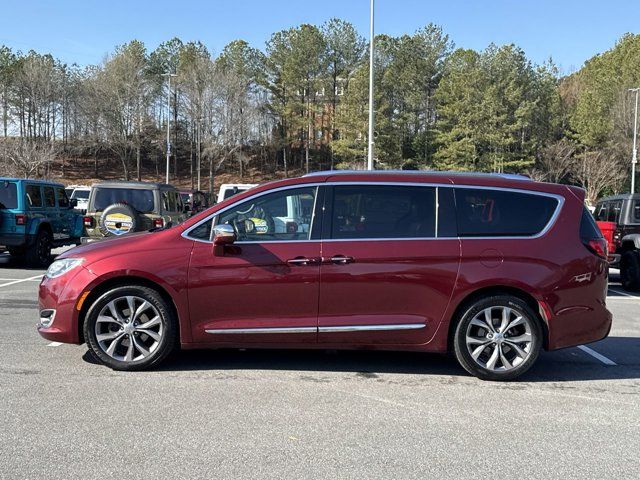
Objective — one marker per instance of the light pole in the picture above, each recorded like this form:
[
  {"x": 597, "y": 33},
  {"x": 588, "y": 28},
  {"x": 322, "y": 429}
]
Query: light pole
[
  {"x": 634, "y": 158},
  {"x": 168, "y": 75},
  {"x": 371, "y": 41}
]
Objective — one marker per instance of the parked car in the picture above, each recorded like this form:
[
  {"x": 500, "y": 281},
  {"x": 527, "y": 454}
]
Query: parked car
[
  {"x": 618, "y": 217},
  {"x": 36, "y": 216},
  {"x": 120, "y": 208},
  {"x": 493, "y": 268},
  {"x": 195, "y": 200},
  {"x": 80, "y": 193},
  {"x": 228, "y": 190}
]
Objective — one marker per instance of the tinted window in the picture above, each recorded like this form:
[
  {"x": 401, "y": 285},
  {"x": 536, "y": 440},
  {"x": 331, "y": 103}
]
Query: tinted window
[
  {"x": 588, "y": 228},
  {"x": 636, "y": 211},
  {"x": 203, "y": 231},
  {"x": 275, "y": 216},
  {"x": 49, "y": 197},
  {"x": 614, "y": 211},
  {"x": 34, "y": 196},
  {"x": 446, "y": 213},
  {"x": 230, "y": 192},
  {"x": 141, "y": 200},
  {"x": 381, "y": 211},
  {"x": 8, "y": 195},
  {"x": 63, "y": 201},
  {"x": 490, "y": 213},
  {"x": 80, "y": 194},
  {"x": 601, "y": 212}
]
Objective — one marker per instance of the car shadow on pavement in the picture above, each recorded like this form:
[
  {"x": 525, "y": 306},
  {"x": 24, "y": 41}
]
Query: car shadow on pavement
[{"x": 568, "y": 365}]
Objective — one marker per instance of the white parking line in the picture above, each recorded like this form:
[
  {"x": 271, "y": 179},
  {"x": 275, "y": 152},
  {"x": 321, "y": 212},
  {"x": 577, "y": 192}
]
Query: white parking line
[
  {"x": 597, "y": 355},
  {"x": 21, "y": 280},
  {"x": 622, "y": 293},
  {"x": 54, "y": 344}
]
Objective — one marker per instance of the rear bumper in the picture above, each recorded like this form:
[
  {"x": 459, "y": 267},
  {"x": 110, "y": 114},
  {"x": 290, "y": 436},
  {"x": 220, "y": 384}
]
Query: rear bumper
[
  {"x": 578, "y": 326},
  {"x": 15, "y": 239}
]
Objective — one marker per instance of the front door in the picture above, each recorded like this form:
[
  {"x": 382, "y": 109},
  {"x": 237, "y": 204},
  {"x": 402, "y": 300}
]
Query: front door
[
  {"x": 264, "y": 288},
  {"x": 388, "y": 271}
]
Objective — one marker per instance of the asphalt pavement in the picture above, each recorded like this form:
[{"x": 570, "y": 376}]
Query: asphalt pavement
[{"x": 312, "y": 414}]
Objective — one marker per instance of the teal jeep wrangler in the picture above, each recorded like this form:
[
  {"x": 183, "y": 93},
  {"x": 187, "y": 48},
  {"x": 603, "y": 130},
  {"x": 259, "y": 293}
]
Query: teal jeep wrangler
[{"x": 36, "y": 216}]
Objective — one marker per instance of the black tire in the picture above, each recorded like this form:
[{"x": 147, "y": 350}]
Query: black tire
[
  {"x": 518, "y": 307},
  {"x": 123, "y": 209},
  {"x": 39, "y": 254},
  {"x": 17, "y": 252},
  {"x": 166, "y": 344},
  {"x": 630, "y": 270}
]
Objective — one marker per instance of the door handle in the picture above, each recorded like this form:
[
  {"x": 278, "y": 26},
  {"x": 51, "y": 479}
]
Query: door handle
[
  {"x": 303, "y": 261},
  {"x": 341, "y": 259}
]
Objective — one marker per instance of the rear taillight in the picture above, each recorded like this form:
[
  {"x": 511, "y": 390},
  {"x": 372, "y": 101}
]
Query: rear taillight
[
  {"x": 21, "y": 219},
  {"x": 597, "y": 246},
  {"x": 88, "y": 221},
  {"x": 158, "y": 222}
]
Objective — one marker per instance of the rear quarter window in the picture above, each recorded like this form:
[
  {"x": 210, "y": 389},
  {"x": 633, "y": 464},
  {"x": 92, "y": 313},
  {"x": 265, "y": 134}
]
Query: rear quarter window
[
  {"x": 501, "y": 213},
  {"x": 8, "y": 195},
  {"x": 34, "y": 196}
]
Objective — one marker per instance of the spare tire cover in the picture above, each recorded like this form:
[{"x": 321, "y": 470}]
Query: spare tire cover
[{"x": 118, "y": 219}]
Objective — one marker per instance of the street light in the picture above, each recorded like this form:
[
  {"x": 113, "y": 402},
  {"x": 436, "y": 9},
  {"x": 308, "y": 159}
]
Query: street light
[
  {"x": 168, "y": 75},
  {"x": 634, "y": 158},
  {"x": 371, "y": 40}
]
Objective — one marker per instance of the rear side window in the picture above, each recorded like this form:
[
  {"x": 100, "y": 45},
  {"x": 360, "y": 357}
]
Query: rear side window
[
  {"x": 601, "y": 212},
  {"x": 80, "y": 194},
  {"x": 34, "y": 196},
  {"x": 139, "y": 199},
  {"x": 636, "y": 211},
  {"x": 500, "y": 213},
  {"x": 8, "y": 195},
  {"x": 49, "y": 197},
  {"x": 613, "y": 214},
  {"x": 382, "y": 211}
]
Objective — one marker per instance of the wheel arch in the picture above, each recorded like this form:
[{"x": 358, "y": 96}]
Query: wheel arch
[
  {"x": 474, "y": 296},
  {"x": 120, "y": 281}
]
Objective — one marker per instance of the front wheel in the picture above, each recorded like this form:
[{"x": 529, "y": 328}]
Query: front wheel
[
  {"x": 498, "y": 338},
  {"x": 131, "y": 328},
  {"x": 630, "y": 270}
]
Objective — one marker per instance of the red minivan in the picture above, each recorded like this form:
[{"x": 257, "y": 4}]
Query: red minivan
[{"x": 490, "y": 267}]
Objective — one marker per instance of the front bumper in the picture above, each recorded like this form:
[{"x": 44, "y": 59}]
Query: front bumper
[{"x": 61, "y": 294}]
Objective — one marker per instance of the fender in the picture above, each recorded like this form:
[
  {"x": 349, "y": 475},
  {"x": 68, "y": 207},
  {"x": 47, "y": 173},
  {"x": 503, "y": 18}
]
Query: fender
[{"x": 633, "y": 238}]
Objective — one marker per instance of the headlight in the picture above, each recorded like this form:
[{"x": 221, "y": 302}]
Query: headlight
[{"x": 60, "y": 267}]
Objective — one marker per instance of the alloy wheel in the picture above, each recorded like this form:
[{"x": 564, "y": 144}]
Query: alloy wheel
[
  {"x": 499, "y": 338},
  {"x": 129, "y": 328}
]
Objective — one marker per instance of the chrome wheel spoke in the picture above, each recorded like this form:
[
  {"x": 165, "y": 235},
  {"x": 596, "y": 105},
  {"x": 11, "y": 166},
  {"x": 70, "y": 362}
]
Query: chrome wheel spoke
[
  {"x": 519, "y": 320},
  {"x": 478, "y": 350},
  {"x": 505, "y": 362},
  {"x": 524, "y": 338},
  {"x": 488, "y": 319},
  {"x": 506, "y": 315},
  {"x": 482, "y": 324},
  {"x": 519, "y": 351},
  {"x": 493, "y": 359},
  {"x": 156, "y": 336},
  {"x": 130, "y": 342}
]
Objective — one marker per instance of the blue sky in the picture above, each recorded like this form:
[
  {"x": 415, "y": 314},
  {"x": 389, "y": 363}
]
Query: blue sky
[{"x": 570, "y": 31}]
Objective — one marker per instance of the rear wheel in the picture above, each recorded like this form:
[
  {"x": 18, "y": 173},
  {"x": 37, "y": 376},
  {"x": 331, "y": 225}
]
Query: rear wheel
[
  {"x": 498, "y": 338},
  {"x": 39, "y": 254},
  {"x": 630, "y": 270},
  {"x": 131, "y": 328}
]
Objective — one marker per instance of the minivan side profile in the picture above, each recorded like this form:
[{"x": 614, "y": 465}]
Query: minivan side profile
[{"x": 492, "y": 268}]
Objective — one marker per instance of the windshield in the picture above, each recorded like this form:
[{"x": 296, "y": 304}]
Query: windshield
[
  {"x": 185, "y": 197},
  {"x": 230, "y": 192},
  {"x": 8, "y": 195},
  {"x": 80, "y": 194},
  {"x": 141, "y": 200}
]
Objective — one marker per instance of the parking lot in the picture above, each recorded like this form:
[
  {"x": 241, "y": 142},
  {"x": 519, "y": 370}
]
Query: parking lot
[{"x": 301, "y": 414}]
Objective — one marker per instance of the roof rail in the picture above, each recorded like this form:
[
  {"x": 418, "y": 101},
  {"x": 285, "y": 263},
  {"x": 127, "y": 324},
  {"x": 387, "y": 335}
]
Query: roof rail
[{"x": 510, "y": 176}]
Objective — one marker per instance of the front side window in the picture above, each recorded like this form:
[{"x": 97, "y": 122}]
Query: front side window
[
  {"x": 636, "y": 211},
  {"x": 202, "y": 231},
  {"x": 34, "y": 196},
  {"x": 277, "y": 216},
  {"x": 601, "y": 212},
  {"x": 80, "y": 194},
  {"x": 383, "y": 211},
  {"x": 49, "y": 197},
  {"x": 63, "y": 201},
  {"x": 496, "y": 213},
  {"x": 139, "y": 199}
]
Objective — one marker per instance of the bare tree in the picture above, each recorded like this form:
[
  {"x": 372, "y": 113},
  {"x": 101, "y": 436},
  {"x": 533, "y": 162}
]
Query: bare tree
[
  {"x": 597, "y": 171},
  {"x": 26, "y": 158},
  {"x": 555, "y": 162}
]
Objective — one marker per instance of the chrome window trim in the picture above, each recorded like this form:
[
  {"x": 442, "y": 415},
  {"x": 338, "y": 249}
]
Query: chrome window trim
[
  {"x": 559, "y": 198},
  {"x": 328, "y": 329}
]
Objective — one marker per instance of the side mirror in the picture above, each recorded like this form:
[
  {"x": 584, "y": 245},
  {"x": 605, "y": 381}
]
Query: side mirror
[
  {"x": 73, "y": 202},
  {"x": 223, "y": 235},
  {"x": 187, "y": 208}
]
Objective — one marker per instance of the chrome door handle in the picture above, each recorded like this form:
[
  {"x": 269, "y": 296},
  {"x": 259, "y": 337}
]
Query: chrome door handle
[
  {"x": 302, "y": 261},
  {"x": 341, "y": 259}
]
